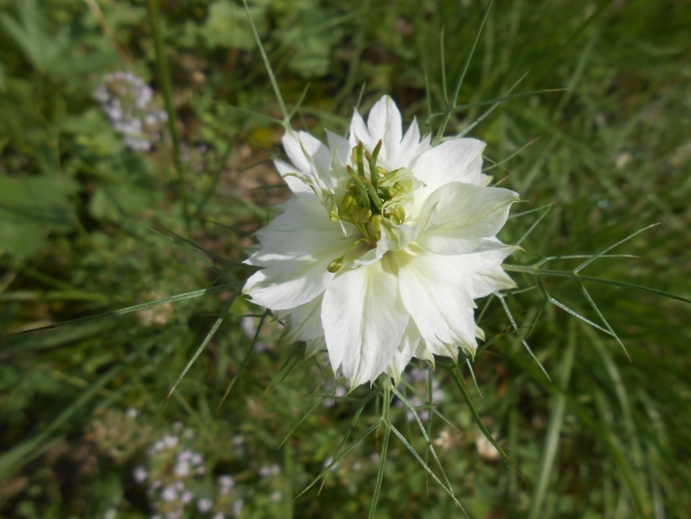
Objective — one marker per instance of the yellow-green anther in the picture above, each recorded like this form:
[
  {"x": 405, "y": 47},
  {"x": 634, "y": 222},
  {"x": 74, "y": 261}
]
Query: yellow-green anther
[
  {"x": 365, "y": 215},
  {"x": 335, "y": 265},
  {"x": 333, "y": 216},
  {"x": 375, "y": 224},
  {"x": 388, "y": 192},
  {"x": 404, "y": 185},
  {"x": 353, "y": 208},
  {"x": 350, "y": 184},
  {"x": 394, "y": 219},
  {"x": 381, "y": 170},
  {"x": 399, "y": 213},
  {"x": 348, "y": 200}
]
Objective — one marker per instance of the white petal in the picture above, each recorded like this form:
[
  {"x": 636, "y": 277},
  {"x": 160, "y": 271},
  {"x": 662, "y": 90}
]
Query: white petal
[
  {"x": 310, "y": 156},
  {"x": 314, "y": 346},
  {"x": 340, "y": 144},
  {"x": 304, "y": 322},
  {"x": 482, "y": 273},
  {"x": 292, "y": 277},
  {"x": 410, "y": 148},
  {"x": 456, "y": 160},
  {"x": 435, "y": 292},
  {"x": 295, "y": 184},
  {"x": 296, "y": 153},
  {"x": 360, "y": 132},
  {"x": 364, "y": 321},
  {"x": 384, "y": 122},
  {"x": 297, "y": 214},
  {"x": 422, "y": 352},
  {"x": 297, "y": 247},
  {"x": 455, "y": 247},
  {"x": 485, "y": 180},
  {"x": 282, "y": 289},
  {"x": 463, "y": 211},
  {"x": 406, "y": 349}
]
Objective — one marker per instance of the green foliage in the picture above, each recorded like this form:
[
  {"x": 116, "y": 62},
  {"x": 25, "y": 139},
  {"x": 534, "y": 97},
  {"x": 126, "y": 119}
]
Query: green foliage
[
  {"x": 30, "y": 208},
  {"x": 89, "y": 227},
  {"x": 227, "y": 25}
]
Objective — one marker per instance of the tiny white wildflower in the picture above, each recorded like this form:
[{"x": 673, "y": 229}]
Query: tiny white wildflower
[
  {"x": 226, "y": 481},
  {"x": 237, "y": 507},
  {"x": 204, "y": 505},
  {"x": 386, "y": 244},
  {"x": 140, "y": 474},
  {"x": 248, "y": 327},
  {"x": 485, "y": 448},
  {"x": 170, "y": 442},
  {"x": 169, "y": 494},
  {"x": 328, "y": 462},
  {"x": 182, "y": 469},
  {"x": 185, "y": 455},
  {"x": 271, "y": 470}
]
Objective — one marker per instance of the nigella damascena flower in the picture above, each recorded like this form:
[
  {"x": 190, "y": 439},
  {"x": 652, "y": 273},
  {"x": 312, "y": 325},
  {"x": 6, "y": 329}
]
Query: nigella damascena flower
[{"x": 388, "y": 241}]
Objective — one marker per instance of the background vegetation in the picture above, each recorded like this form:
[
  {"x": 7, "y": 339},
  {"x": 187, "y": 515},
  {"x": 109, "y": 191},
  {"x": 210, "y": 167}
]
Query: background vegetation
[{"x": 100, "y": 213}]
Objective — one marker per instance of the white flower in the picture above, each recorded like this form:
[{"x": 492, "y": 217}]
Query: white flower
[
  {"x": 386, "y": 244},
  {"x": 182, "y": 469},
  {"x": 139, "y": 474},
  {"x": 204, "y": 505},
  {"x": 169, "y": 494}
]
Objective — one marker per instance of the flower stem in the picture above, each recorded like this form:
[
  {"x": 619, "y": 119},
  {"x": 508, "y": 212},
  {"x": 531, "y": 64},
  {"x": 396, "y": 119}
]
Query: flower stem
[{"x": 386, "y": 404}]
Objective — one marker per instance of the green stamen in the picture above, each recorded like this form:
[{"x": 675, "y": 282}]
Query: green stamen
[
  {"x": 361, "y": 193},
  {"x": 364, "y": 204},
  {"x": 337, "y": 264}
]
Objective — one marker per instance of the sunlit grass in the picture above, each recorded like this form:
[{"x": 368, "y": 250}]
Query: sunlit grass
[{"x": 132, "y": 261}]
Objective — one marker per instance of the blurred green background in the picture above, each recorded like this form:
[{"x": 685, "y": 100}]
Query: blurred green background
[{"x": 103, "y": 208}]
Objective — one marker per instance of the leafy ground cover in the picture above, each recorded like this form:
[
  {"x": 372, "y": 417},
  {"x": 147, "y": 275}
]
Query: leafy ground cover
[{"x": 135, "y": 151}]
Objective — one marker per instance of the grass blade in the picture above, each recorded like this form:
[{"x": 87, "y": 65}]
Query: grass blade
[
  {"x": 269, "y": 70},
  {"x": 336, "y": 459},
  {"x": 556, "y": 420},
  {"x": 455, "y": 374},
  {"x": 202, "y": 346},
  {"x": 502, "y": 298},
  {"x": 164, "y": 73},
  {"x": 459, "y": 83},
  {"x": 245, "y": 361}
]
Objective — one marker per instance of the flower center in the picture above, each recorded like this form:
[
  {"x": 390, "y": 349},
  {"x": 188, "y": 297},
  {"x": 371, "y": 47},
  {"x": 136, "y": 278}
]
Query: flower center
[{"x": 369, "y": 200}]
